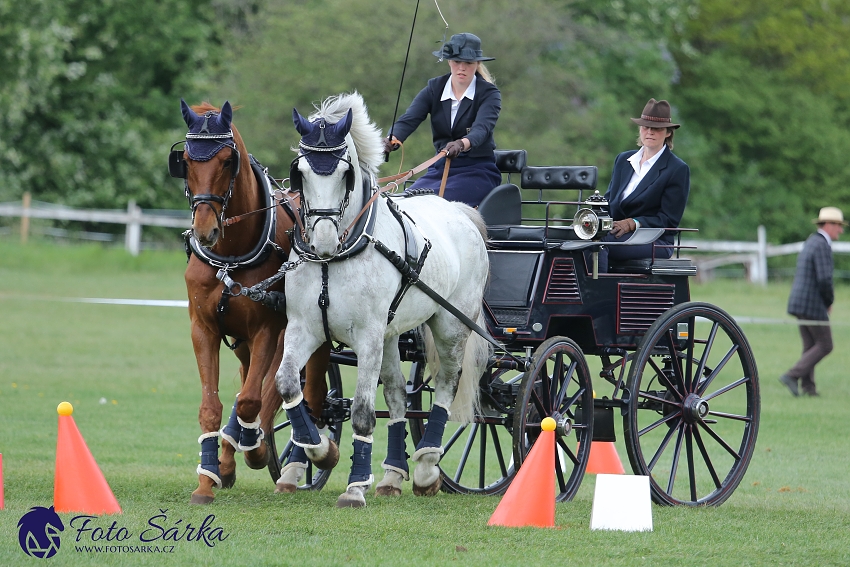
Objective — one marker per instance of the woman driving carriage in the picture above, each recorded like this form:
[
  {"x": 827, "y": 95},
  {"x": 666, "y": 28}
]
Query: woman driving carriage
[
  {"x": 649, "y": 188},
  {"x": 464, "y": 106}
]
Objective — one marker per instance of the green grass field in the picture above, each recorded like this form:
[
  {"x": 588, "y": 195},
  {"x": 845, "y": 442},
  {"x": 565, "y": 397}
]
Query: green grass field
[{"x": 130, "y": 373}]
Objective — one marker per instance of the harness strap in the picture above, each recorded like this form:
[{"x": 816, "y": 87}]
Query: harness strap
[
  {"x": 324, "y": 301},
  {"x": 408, "y": 272},
  {"x": 221, "y": 312}
]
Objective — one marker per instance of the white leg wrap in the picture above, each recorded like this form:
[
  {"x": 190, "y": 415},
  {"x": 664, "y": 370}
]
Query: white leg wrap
[
  {"x": 364, "y": 484},
  {"x": 322, "y": 443},
  {"x": 404, "y": 474},
  {"x": 295, "y": 401},
  {"x": 425, "y": 450},
  {"x": 212, "y": 475}
]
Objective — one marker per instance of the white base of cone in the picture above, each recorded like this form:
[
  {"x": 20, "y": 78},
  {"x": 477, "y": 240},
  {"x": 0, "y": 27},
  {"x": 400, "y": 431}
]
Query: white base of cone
[{"x": 621, "y": 502}]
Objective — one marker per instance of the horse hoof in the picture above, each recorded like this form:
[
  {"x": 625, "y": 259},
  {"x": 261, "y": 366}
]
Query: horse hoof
[
  {"x": 330, "y": 459},
  {"x": 348, "y": 500},
  {"x": 285, "y": 488},
  {"x": 387, "y": 491},
  {"x": 430, "y": 490},
  {"x": 228, "y": 480},
  {"x": 257, "y": 462},
  {"x": 201, "y": 499}
]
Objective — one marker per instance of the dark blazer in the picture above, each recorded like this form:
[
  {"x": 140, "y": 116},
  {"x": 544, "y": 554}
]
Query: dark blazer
[
  {"x": 812, "y": 292},
  {"x": 659, "y": 199},
  {"x": 475, "y": 119}
]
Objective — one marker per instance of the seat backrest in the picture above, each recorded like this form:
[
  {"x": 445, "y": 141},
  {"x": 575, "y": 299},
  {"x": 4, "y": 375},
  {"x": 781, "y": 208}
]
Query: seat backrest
[
  {"x": 503, "y": 205},
  {"x": 511, "y": 161}
]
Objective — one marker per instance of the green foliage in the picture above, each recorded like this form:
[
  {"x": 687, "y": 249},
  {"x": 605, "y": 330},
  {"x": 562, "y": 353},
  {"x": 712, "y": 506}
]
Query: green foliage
[{"x": 87, "y": 89}]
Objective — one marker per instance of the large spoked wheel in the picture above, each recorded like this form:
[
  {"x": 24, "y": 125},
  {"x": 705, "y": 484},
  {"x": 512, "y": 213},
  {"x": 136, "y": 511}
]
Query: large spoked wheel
[
  {"x": 477, "y": 456},
  {"x": 693, "y": 409},
  {"x": 333, "y": 414},
  {"x": 557, "y": 385}
]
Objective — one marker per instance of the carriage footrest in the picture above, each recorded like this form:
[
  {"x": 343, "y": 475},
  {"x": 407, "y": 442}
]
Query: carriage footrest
[{"x": 603, "y": 423}]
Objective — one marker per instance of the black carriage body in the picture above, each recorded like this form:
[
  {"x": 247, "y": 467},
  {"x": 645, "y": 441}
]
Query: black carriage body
[{"x": 539, "y": 290}]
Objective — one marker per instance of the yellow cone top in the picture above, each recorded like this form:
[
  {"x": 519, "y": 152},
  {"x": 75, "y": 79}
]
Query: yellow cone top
[
  {"x": 65, "y": 408},
  {"x": 548, "y": 424}
]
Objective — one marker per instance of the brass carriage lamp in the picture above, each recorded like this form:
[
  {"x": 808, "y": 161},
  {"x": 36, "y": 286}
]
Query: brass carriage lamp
[{"x": 592, "y": 222}]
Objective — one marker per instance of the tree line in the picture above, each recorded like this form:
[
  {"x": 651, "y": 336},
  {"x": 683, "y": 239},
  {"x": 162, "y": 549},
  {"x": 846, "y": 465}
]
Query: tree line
[{"x": 90, "y": 97}]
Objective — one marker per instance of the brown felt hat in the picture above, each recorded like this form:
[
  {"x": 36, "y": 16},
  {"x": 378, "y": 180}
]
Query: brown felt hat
[{"x": 656, "y": 114}]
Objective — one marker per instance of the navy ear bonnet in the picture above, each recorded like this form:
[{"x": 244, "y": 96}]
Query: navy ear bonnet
[
  {"x": 209, "y": 132},
  {"x": 322, "y": 144}
]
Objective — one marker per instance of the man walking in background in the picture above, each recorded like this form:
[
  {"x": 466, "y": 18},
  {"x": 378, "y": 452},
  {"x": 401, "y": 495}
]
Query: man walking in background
[{"x": 811, "y": 300}]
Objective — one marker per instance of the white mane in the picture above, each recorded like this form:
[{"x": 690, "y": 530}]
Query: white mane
[{"x": 364, "y": 132}]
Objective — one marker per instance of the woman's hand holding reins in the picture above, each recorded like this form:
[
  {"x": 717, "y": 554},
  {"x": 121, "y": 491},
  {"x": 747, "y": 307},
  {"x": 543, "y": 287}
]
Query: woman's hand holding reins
[{"x": 453, "y": 149}]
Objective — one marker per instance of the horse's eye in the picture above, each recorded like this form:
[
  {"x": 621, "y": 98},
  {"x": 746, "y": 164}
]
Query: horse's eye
[{"x": 228, "y": 163}]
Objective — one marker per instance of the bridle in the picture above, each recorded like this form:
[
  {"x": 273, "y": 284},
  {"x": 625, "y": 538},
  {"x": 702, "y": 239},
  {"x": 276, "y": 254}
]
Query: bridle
[
  {"x": 296, "y": 183},
  {"x": 178, "y": 167}
]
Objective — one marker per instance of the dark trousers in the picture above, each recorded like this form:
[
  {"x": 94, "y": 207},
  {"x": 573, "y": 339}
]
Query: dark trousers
[{"x": 817, "y": 343}]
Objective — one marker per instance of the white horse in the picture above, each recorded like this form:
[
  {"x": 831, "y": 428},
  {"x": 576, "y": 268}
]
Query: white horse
[{"x": 338, "y": 158}]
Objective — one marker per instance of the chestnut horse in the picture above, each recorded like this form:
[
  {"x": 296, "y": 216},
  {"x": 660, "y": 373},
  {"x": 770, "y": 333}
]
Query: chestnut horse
[{"x": 222, "y": 182}]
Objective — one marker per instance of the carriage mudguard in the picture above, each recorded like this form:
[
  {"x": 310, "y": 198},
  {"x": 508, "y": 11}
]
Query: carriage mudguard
[
  {"x": 361, "y": 462},
  {"x": 396, "y": 454}
]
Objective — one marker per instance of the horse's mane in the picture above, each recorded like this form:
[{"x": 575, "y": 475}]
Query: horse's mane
[{"x": 364, "y": 132}]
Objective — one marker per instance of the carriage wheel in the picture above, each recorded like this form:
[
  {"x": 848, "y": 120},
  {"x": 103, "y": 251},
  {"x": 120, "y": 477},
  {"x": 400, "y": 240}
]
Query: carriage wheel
[
  {"x": 557, "y": 385},
  {"x": 477, "y": 456},
  {"x": 334, "y": 416},
  {"x": 693, "y": 408}
]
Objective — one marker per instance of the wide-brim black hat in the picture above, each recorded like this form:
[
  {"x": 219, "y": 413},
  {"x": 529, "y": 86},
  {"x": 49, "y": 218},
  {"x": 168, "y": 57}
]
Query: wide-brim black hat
[
  {"x": 462, "y": 47},
  {"x": 656, "y": 114}
]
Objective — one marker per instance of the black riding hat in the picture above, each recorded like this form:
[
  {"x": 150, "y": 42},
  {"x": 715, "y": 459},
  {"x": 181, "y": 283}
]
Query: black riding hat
[{"x": 462, "y": 47}]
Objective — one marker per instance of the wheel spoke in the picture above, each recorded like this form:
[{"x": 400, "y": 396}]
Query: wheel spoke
[
  {"x": 568, "y": 379},
  {"x": 572, "y": 401},
  {"x": 454, "y": 438},
  {"x": 655, "y": 398},
  {"x": 709, "y": 343},
  {"x": 675, "y": 465},
  {"x": 720, "y": 441},
  {"x": 709, "y": 465},
  {"x": 557, "y": 372},
  {"x": 663, "y": 378},
  {"x": 466, "y": 450},
  {"x": 559, "y": 474},
  {"x": 689, "y": 373},
  {"x": 689, "y": 447},
  {"x": 497, "y": 445},
  {"x": 664, "y": 419},
  {"x": 726, "y": 388},
  {"x": 729, "y": 416},
  {"x": 732, "y": 350},
  {"x": 482, "y": 456},
  {"x": 661, "y": 447},
  {"x": 538, "y": 404},
  {"x": 675, "y": 363},
  {"x": 563, "y": 445}
]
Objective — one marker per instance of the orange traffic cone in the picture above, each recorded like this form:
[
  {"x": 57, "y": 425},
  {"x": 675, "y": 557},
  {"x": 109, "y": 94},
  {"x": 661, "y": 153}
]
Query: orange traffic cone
[
  {"x": 604, "y": 459},
  {"x": 530, "y": 499},
  {"x": 2, "y": 505},
  {"x": 78, "y": 484}
]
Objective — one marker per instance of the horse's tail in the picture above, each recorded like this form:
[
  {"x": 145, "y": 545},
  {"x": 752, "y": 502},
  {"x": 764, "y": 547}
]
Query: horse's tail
[
  {"x": 476, "y": 355},
  {"x": 474, "y": 216}
]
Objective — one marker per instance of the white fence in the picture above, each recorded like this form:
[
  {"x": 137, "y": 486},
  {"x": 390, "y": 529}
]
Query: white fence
[
  {"x": 133, "y": 218},
  {"x": 753, "y": 255}
]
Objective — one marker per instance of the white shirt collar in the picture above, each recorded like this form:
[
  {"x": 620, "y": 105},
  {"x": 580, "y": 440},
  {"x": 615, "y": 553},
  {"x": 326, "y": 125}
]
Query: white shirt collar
[
  {"x": 448, "y": 93},
  {"x": 635, "y": 158},
  {"x": 825, "y": 235}
]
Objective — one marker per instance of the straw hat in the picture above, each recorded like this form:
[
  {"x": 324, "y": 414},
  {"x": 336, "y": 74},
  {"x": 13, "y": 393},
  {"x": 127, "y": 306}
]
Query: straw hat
[{"x": 830, "y": 214}]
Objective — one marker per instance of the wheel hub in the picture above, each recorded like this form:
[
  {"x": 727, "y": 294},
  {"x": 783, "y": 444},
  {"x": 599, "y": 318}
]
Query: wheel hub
[
  {"x": 564, "y": 424},
  {"x": 694, "y": 408}
]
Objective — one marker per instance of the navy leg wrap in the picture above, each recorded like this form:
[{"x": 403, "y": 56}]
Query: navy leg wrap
[
  {"x": 209, "y": 459},
  {"x": 304, "y": 431},
  {"x": 298, "y": 455},
  {"x": 396, "y": 454},
  {"x": 250, "y": 438},
  {"x": 434, "y": 430},
  {"x": 361, "y": 462},
  {"x": 232, "y": 431}
]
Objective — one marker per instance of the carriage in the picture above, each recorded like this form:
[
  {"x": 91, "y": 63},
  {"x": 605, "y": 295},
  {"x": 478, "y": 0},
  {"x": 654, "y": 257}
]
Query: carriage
[{"x": 680, "y": 374}]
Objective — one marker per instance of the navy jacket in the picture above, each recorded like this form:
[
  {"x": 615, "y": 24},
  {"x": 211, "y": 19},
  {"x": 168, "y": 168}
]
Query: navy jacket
[
  {"x": 812, "y": 292},
  {"x": 659, "y": 199},
  {"x": 475, "y": 119}
]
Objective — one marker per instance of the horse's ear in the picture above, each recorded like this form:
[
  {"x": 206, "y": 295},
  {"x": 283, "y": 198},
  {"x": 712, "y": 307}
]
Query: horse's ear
[
  {"x": 227, "y": 114},
  {"x": 343, "y": 126},
  {"x": 301, "y": 124},
  {"x": 189, "y": 115}
]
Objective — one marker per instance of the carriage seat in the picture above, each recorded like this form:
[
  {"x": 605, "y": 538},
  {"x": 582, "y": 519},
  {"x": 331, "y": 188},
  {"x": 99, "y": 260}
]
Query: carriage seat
[{"x": 503, "y": 205}]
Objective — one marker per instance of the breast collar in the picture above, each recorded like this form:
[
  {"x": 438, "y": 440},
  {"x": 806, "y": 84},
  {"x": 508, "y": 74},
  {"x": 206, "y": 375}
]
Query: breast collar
[{"x": 265, "y": 244}]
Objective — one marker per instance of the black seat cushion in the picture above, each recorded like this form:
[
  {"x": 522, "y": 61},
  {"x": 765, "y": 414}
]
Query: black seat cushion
[{"x": 503, "y": 205}]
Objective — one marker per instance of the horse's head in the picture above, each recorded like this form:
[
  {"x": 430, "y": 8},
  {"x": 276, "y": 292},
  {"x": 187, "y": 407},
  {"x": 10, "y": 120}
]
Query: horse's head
[
  {"x": 325, "y": 174},
  {"x": 210, "y": 173}
]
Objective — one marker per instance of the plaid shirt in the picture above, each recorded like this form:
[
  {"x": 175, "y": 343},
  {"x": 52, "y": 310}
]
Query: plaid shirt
[{"x": 812, "y": 292}]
